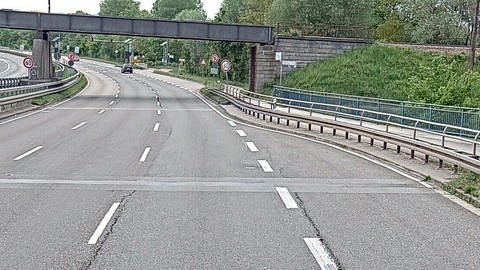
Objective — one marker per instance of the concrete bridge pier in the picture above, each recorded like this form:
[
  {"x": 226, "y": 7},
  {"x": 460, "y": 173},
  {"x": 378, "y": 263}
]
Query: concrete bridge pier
[{"x": 42, "y": 55}]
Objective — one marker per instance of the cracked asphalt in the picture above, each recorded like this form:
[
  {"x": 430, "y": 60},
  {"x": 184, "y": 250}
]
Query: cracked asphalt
[{"x": 198, "y": 198}]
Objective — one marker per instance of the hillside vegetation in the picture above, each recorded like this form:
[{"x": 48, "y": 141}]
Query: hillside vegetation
[{"x": 394, "y": 73}]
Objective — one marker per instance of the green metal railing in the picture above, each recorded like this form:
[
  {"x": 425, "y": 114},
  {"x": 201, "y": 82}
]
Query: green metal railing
[{"x": 462, "y": 117}]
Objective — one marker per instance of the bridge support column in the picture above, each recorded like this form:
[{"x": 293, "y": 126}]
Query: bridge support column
[{"x": 41, "y": 53}]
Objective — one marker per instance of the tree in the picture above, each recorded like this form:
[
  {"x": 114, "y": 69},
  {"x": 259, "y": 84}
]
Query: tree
[
  {"x": 256, "y": 11},
  {"x": 122, "y": 8},
  {"x": 436, "y": 21},
  {"x": 168, "y": 9},
  {"x": 197, "y": 50},
  {"x": 231, "y": 11},
  {"x": 387, "y": 22}
]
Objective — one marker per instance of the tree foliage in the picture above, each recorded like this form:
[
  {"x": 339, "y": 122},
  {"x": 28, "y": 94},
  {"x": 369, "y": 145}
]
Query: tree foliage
[
  {"x": 168, "y": 9},
  {"x": 122, "y": 8}
]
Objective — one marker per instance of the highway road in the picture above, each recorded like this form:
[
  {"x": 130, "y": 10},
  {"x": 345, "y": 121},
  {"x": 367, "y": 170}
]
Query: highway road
[
  {"x": 136, "y": 173},
  {"x": 11, "y": 66}
]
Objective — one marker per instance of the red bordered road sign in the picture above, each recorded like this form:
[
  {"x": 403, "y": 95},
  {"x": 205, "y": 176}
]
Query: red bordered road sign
[
  {"x": 226, "y": 66},
  {"x": 215, "y": 58},
  {"x": 71, "y": 56},
  {"x": 28, "y": 62}
]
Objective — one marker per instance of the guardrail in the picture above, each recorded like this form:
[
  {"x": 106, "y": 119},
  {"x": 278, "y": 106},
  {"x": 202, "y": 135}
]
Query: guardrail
[
  {"x": 459, "y": 151},
  {"x": 11, "y": 82},
  {"x": 24, "y": 93},
  {"x": 450, "y": 115}
]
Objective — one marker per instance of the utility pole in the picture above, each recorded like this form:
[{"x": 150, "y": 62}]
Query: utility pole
[
  {"x": 48, "y": 6},
  {"x": 474, "y": 36}
]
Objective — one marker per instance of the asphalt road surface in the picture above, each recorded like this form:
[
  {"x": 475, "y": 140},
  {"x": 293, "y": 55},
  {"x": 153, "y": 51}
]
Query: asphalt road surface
[
  {"x": 11, "y": 66},
  {"x": 118, "y": 178}
]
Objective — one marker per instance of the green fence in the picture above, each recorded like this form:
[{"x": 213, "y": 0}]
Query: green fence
[{"x": 454, "y": 116}]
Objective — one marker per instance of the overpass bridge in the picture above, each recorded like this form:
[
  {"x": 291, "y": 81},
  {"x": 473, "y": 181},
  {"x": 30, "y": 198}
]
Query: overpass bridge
[{"x": 44, "y": 23}]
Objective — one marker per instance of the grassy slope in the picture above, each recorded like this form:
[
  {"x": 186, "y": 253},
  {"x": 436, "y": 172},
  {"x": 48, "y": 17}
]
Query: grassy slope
[
  {"x": 71, "y": 91},
  {"x": 393, "y": 73}
]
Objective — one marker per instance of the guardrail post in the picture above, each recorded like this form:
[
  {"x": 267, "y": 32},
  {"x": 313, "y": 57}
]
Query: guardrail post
[
  {"x": 415, "y": 130},
  {"x": 440, "y": 163},
  {"x": 372, "y": 141},
  {"x": 443, "y": 136},
  {"x": 388, "y": 120},
  {"x": 426, "y": 158},
  {"x": 384, "y": 145},
  {"x": 359, "y": 138},
  {"x": 289, "y": 104},
  {"x": 298, "y": 124},
  {"x": 398, "y": 149},
  {"x": 412, "y": 154},
  {"x": 455, "y": 169},
  {"x": 475, "y": 144},
  {"x": 311, "y": 109},
  {"x": 462, "y": 120}
]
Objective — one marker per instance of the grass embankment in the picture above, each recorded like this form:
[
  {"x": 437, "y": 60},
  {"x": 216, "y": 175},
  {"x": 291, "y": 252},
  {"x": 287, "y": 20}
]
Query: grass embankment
[
  {"x": 69, "y": 92},
  {"x": 394, "y": 73},
  {"x": 469, "y": 183}
]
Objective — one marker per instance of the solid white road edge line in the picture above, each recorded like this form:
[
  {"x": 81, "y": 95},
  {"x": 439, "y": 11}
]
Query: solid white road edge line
[
  {"x": 241, "y": 133},
  {"x": 102, "y": 111},
  {"x": 79, "y": 125},
  {"x": 251, "y": 146},
  {"x": 144, "y": 155},
  {"x": 231, "y": 123},
  {"x": 320, "y": 253},
  {"x": 287, "y": 199},
  {"x": 103, "y": 224},
  {"x": 265, "y": 166},
  {"x": 155, "y": 128},
  {"x": 28, "y": 153}
]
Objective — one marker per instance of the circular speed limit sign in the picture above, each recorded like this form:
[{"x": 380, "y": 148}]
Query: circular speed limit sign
[
  {"x": 226, "y": 66},
  {"x": 28, "y": 62}
]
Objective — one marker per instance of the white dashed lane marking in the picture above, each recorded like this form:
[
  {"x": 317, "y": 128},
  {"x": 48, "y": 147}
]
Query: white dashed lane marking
[
  {"x": 241, "y": 133},
  {"x": 145, "y": 154},
  {"x": 78, "y": 126},
  {"x": 320, "y": 253},
  {"x": 286, "y": 198},
  {"x": 28, "y": 153},
  {"x": 265, "y": 166},
  {"x": 251, "y": 146},
  {"x": 103, "y": 224}
]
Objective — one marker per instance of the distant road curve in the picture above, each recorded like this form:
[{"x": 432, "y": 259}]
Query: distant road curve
[{"x": 11, "y": 66}]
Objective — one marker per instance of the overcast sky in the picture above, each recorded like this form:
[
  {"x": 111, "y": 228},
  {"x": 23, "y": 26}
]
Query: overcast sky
[{"x": 89, "y": 6}]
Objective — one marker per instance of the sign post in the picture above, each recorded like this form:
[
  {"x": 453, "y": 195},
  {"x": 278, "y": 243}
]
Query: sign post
[
  {"x": 226, "y": 66},
  {"x": 278, "y": 57}
]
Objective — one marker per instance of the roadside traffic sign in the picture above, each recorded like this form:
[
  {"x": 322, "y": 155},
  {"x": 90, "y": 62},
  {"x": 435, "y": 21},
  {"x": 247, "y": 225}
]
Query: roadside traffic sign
[
  {"x": 215, "y": 58},
  {"x": 28, "y": 62},
  {"x": 71, "y": 56},
  {"x": 226, "y": 66},
  {"x": 70, "y": 62}
]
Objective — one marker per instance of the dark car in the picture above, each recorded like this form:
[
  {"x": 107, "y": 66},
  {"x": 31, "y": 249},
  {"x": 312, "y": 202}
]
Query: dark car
[{"x": 127, "y": 68}]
